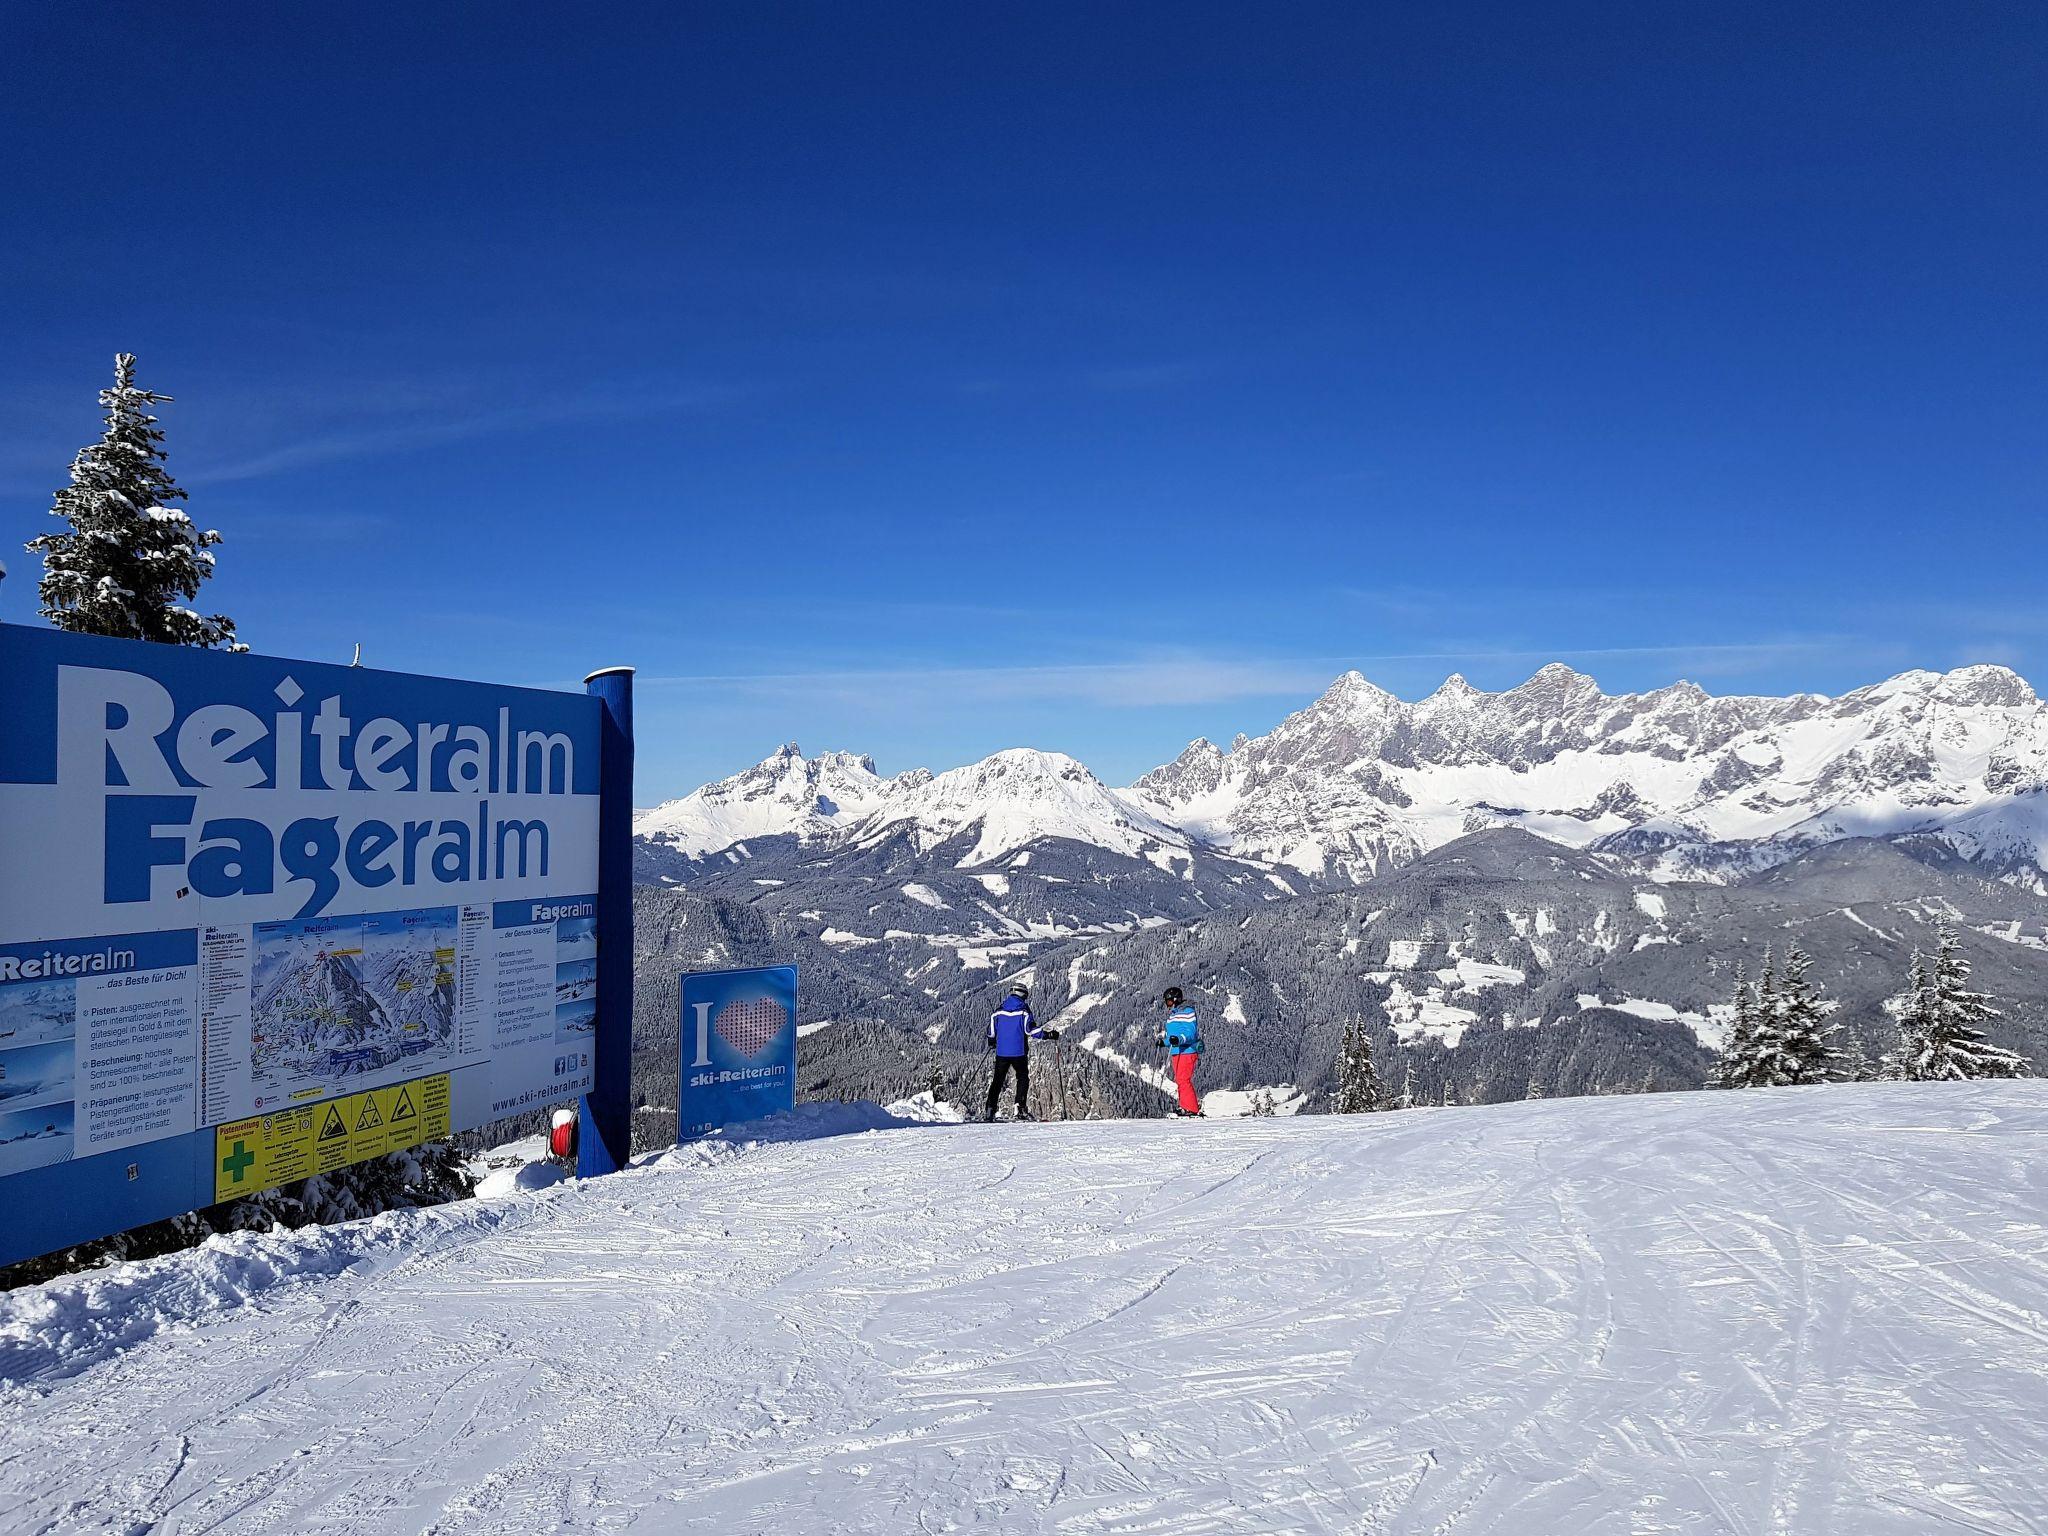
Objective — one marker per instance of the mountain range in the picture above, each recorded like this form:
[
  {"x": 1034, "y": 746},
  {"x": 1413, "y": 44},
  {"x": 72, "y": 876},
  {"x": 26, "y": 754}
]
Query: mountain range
[
  {"x": 1635, "y": 848},
  {"x": 1679, "y": 783}
]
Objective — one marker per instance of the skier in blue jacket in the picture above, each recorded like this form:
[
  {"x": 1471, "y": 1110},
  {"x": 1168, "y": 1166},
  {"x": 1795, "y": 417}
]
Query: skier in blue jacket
[
  {"x": 1182, "y": 1037},
  {"x": 1011, "y": 1029}
]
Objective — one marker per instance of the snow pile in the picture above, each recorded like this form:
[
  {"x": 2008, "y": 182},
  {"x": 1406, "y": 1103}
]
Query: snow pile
[
  {"x": 57, "y": 1329},
  {"x": 1791, "y": 1310},
  {"x": 515, "y": 1168}
]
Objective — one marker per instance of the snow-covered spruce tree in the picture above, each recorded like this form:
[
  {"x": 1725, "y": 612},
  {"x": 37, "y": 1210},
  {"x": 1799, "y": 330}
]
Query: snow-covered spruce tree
[
  {"x": 128, "y": 557},
  {"x": 1406, "y": 1100},
  {"x": 1795, "y": 1040},
  {"x": 1913, "y": 1012},
  {"x": 1738, "y": 1056},
  {"x": 1939, "y": 1018},
  {"x": 1358, "y": 1081}
]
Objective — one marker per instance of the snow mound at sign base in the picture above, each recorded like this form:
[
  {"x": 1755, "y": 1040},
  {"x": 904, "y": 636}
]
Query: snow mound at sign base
[{"x": 1789, "y": 1310}]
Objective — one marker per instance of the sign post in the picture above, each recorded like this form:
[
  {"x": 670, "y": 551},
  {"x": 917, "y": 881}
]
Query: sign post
[
  {"x": 607, "y": 1139},
  {"x": 260, "y": 919},
  {"x": 738, "y": 1048}
]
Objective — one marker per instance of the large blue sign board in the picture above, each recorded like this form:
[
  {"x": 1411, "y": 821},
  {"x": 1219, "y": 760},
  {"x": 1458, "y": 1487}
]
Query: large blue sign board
[
  {"x": 262, "y": 918},
  {"x": 738, "y": 1047}
]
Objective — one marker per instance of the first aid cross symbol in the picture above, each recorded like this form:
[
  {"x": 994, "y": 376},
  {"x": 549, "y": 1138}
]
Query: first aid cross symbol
[{"x": 237, "y": 1162}]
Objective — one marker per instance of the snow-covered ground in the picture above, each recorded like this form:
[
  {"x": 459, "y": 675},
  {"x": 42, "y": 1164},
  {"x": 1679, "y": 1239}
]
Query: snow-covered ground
[{"x": 1800, "y": 1310}]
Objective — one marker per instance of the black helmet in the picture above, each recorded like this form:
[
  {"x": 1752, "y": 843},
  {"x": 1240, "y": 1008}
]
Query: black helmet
[
  {"x": 1020, "y": 990},
  {"x": 1173, "y": 998}
]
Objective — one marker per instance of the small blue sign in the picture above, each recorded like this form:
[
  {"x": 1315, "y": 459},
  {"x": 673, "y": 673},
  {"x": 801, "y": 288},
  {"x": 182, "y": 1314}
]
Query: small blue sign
[{"x": 738, "y": 1048}]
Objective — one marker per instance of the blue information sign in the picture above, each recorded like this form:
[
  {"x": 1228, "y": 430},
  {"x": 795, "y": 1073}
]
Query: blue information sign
[
  {"x": 240, "y": 893},
  {"x": 738, "y": 1047}
]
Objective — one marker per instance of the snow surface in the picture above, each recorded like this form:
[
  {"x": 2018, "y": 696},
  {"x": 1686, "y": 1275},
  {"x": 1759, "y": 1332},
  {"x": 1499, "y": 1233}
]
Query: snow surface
[{"x": 1807, "y": 1310}]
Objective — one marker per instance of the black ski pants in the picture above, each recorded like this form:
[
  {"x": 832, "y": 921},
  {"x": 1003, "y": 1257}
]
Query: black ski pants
[{"x": 1005, "y": 1065}]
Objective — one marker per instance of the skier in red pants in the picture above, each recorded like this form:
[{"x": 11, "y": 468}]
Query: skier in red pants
[{"x": 1182, "y": 1037}]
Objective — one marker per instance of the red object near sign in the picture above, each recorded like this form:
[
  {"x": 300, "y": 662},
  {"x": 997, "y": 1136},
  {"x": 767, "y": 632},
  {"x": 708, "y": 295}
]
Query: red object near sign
[{"x": 562, "y": 1133}]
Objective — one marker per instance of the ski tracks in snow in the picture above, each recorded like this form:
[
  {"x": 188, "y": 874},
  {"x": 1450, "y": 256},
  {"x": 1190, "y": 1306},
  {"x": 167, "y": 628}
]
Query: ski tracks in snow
[{"x": 1789, "y": 1311}]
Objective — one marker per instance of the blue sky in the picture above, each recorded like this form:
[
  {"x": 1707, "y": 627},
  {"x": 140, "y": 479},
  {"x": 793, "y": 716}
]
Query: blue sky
[{"x": 926, "y": 380}]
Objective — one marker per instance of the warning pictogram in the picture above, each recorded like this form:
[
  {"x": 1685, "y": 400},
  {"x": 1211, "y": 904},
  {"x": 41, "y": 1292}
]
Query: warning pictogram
[{"x": 299, "y": 1142}]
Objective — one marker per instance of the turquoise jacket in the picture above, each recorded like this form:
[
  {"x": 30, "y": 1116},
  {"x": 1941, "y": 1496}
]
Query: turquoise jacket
[{"x": 1183, "y": 1034}]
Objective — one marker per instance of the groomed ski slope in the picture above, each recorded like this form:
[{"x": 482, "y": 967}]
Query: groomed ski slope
[{"x": 1798, "y": 1310}]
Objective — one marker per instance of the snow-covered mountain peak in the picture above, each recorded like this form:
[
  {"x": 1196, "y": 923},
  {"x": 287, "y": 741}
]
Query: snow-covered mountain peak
[
  {"x": 1197, "y": 771},
  {"x": 1555, "y": 679},
  {"x": 1352, "y": 694},
  {"x": 785, "y": 793},
  {"x": 1982, "y": 685},
  {"x": 1453, "y": 690},
  {"x": 1017, "y": 797}
]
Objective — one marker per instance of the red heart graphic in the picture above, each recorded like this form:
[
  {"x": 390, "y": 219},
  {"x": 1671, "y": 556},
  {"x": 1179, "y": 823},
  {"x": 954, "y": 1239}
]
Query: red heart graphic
[{"x": 750, "y": 1025}]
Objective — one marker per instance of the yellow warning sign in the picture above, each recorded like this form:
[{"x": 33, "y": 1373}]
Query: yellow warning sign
[{"x": 268, "y": 1150}]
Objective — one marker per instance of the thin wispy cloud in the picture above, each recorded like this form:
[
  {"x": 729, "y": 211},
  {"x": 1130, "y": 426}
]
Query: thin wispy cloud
[
  {"x": 438, "y": 428},
  {"x": 1202, "y": 679}
]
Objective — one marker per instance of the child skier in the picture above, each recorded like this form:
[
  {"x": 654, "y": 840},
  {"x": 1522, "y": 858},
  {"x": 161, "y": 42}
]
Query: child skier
[
  {"x": 1011, "y": 1029},
  {"x": 1182, "y": 1037}
]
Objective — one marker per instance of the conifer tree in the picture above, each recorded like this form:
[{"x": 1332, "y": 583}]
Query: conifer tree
[
  {"x": 1407, "y": 1098},
  {"x": 1795, "y": 1043},
  {"x": 1358, "y": 1081},
  {"x": 1535, "y": 1087},
  {"x": 128, "y": 557},
  {"x": 1913, "y": 1011},
  {"x": 1939, "y": 1018},
  {"x": 1738, "y": 1055},
  {"x": 1764, "y": 1020}
]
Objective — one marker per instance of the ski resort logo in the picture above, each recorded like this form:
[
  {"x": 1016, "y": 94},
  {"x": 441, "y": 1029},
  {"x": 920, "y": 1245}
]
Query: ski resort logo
[
  {"x": 739, "y": 1047},
  {"x": 750, "y": 1025},
  {"x": 291, "y": 785}
]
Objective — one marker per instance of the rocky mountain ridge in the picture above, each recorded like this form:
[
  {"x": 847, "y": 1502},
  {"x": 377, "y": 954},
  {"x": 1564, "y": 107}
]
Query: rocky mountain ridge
[{"x": 1675, "y": 783}]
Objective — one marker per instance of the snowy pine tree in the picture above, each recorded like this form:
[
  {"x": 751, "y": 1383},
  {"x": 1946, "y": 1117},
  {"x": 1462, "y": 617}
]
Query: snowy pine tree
[
  {"x": 1737, "y": 1065},
  {"x": 1794, "y": 1040},
  {"x": 128, "y": 556},
  {"x": 1939, "y": 1018},
  {"x": 1406, "y": 1100},
  {"x": 1358, "y": 1081}
]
